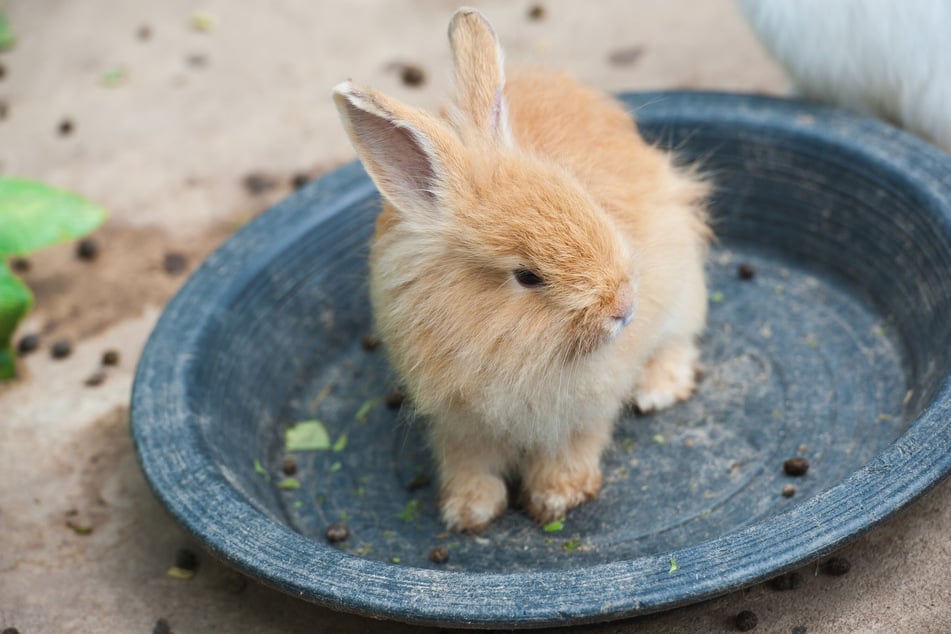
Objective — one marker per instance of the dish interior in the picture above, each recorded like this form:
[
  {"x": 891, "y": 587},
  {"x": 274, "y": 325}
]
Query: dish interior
[{"x": 829, "y": 352}]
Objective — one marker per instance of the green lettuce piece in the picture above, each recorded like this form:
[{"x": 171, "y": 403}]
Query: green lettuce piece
[
  {"x": 34, "y": 215},
  {"x": 15, "y": 302},
  {"x": 309, "y": 435},
  {"x": 7, "y": 38}
]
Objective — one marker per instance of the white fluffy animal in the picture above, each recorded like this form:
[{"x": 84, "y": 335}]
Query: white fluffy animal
[{"x": 886, "y": 58}]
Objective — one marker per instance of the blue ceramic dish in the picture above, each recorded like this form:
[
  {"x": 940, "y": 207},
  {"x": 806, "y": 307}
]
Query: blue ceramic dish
[{"x": 838, "y": 350}]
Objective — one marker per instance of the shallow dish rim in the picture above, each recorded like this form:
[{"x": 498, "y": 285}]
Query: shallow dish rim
[{"x": 179, "y": 470}]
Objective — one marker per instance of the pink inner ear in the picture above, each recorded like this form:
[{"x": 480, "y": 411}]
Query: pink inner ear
[
  {"x": 394, "y": 156},
  {"x": 496, "y": 115}
]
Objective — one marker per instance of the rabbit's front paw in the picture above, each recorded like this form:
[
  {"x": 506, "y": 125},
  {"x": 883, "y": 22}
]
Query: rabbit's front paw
[
  {"x": 552, "y": 491},
  {"x": 670, "y": 376},
  {"x": 471, "y": 504}
]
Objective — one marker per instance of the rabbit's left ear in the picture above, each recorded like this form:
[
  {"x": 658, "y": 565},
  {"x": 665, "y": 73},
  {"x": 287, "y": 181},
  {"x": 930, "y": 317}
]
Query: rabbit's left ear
[
  {"x": 410, "y": 155},
  {"x": 479, "y": 75}
]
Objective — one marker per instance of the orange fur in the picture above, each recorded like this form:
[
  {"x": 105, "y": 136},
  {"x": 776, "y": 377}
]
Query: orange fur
[{"x": 555, "y": 179}]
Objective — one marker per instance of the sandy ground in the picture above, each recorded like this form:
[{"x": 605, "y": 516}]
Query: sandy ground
[{"x": 166, "y": 124}]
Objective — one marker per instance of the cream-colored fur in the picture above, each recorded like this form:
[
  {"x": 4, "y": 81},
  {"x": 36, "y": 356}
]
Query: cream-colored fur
[{"x": 537, "y": 174}]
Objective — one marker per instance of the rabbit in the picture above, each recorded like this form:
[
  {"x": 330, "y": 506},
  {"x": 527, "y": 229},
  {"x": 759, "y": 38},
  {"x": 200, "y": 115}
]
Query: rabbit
[
  {"x": 536, "y": 267},
  {"x": 876, "y": 57}
]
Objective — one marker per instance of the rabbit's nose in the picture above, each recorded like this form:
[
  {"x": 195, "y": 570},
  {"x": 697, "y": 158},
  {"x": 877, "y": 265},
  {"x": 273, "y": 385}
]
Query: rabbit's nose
[{"x": 624, "y": 302}]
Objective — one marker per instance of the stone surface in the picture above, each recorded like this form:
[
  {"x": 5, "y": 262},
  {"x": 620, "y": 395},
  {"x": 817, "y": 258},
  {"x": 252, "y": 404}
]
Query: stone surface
[{"x": 165, "y": 144}]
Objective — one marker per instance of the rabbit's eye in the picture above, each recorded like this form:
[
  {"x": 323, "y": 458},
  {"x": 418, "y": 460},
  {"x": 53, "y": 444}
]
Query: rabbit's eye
[{"x": 527, "y": 278}]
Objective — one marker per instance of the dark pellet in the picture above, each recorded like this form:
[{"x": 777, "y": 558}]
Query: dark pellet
[
  {"x": 65, "y": 127},
  {"x": 370, "y": 342},
  {"x": 536, "y": 12},
  {"x": 299, "y": 180},
  {"x": 27, "y": 344},
  {"x": 259, "y": 183},
  {"x": 110, "y": 357},
  {"x": 439, "y": 555},
  {"x": 337, "y": 533},
  {"x": 745, "y": 271},
  {"x": 626, "y": 56},
  {"x": 837, "y": 566},
  {"x": 196, "y": 60},
  {"x": 789, "y": 491},
  {"x": 799, "y": 629},
  {"x": 174, "y": 263},
  {"x": 394, "y": 399},
  {"x": 20, "y": 265},
  {"x": 290, "y": 465},
  {"x": 95, "y": 379},
  {"x": 11, "y": 630},
  {"x": 419, "y": 481},
  {"x": 87, "y": 249},
  {"x": 797, "y": 466},
  {"x": 186, "y": 559},
  {"x": 162, "y": 627},
  {"x": 144, "y": 32},
  {"x": 789, "y": 581},
  {"x": 745, "y": 621},
  {"x": 413, "y": 75},
  {"x": 3, "y": 71},
  {"x": 61, "y": 349}
]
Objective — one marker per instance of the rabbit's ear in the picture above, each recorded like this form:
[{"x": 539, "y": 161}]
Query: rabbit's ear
[
  {"x": 479, "y": 74},
  {"x": 406, "y": 152}
]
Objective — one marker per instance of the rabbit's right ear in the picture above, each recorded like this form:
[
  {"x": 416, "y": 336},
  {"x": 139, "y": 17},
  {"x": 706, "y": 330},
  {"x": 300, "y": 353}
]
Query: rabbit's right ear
[
  {"x": 407, "y": 153},
  {"x": 479, "y": 74}
]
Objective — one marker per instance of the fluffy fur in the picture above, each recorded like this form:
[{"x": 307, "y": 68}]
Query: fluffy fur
[
  {"x": 537, "y": 174},
  {"x": 877, "y": 57}
]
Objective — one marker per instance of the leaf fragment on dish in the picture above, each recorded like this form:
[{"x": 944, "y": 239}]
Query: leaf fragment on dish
[
  {"x": 411, "y": 511},
  {"x": 289, "y": 483},
  {"x": 261, "y": 471},
  {"x": 341, "y": 443},
  {"x": 571, "y": 545},
  {"x": 308, "y": 435},
  {"x": 364, "y": 412},
  {"x": 554, "y": 527}
]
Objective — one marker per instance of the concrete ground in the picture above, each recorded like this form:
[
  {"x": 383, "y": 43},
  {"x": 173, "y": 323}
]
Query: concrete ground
[{"x": 161, "y": 122}]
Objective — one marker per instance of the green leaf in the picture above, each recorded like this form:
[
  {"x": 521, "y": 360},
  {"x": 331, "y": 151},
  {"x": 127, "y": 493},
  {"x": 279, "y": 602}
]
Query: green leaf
[
  {"x": 15, "y": 302},
  {"x": 309, "y": 435},
  {"x": 364, "y": 412},
  {"x": 341, "y": 443},
  {"x": 571, "y": 545},
  {"x": 673, "y": 566},
  {"x": 288, "y": 483},
  {"x": 261, "y": 471},
  {"x": 180, "y": 573},
  {"x": 34, "y": 215},
  {"x": 411, "y": 511},
  {"x": 335, "y": 467},
  {"x": 554, "y": 527},
  {"x": 6, "y": 34}
]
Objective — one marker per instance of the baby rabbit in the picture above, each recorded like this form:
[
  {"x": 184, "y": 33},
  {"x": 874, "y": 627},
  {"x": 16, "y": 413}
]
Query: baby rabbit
[
  {"x": 877, "y": 57},
  {"x": 536, "y": 267}
]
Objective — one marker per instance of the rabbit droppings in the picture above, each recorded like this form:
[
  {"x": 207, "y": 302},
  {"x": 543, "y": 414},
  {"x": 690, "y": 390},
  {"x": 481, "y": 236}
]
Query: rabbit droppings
[{"x": 536, "y": 267}]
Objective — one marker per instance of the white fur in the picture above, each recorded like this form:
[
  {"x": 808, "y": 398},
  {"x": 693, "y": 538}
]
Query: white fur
[{"x": 886, "y": 58}]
